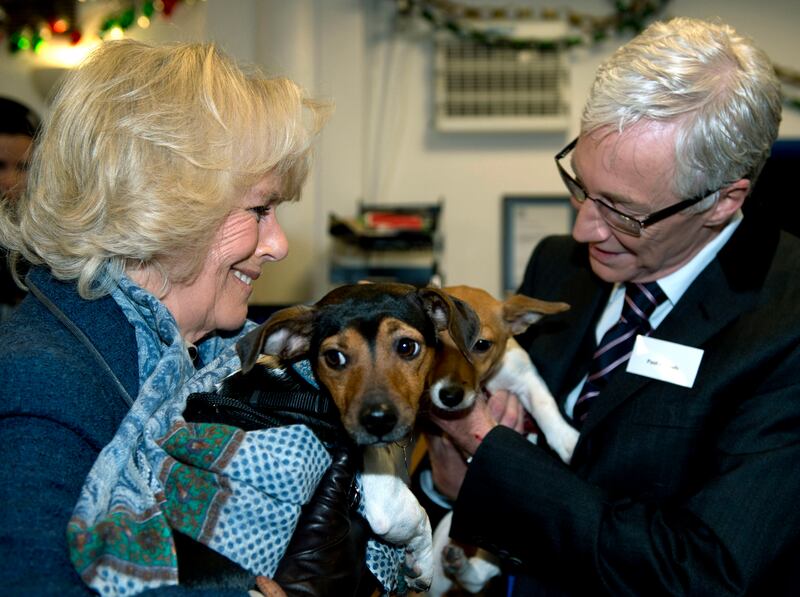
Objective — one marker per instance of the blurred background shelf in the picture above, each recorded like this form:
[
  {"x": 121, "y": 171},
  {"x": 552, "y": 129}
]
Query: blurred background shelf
[{"x": 397, "y": 243}]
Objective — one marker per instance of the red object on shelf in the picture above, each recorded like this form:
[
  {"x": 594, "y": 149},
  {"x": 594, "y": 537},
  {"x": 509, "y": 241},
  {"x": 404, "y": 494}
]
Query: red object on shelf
[{"x": 394, "y": 221}]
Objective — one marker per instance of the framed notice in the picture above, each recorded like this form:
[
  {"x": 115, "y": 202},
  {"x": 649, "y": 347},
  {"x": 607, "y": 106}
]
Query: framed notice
[{"x": 527, "y": 219}]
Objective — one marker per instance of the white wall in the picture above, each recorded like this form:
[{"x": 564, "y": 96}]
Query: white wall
[
  {"x": 380, "y": 145},
  {"x": 411, "y": 162}
]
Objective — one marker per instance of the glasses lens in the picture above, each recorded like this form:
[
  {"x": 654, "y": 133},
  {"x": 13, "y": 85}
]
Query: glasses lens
[
  {"x": 615, "y": 219},
  {"x": 618, "y": 221}
]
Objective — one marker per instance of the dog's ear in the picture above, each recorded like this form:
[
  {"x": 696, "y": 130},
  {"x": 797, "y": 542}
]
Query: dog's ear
[
  {"x": 520, "y": 311},
  {"x": 455, "y": 316},
  {"x": 286, "y": 334}
]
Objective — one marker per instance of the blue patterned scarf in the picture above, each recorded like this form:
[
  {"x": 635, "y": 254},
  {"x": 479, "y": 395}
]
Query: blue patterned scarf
[{"x": 238, "y": 492}]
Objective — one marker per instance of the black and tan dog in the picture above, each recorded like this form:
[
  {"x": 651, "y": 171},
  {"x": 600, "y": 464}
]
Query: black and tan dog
[{"x": 373, "y": 346}]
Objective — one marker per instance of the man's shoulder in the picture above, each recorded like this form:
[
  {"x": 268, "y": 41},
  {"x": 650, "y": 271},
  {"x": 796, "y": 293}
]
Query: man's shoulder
[
  {"x": 559, "y": 244},
  {"x": 781, "y": 282},
  {"x": 557, "y": 262},
  {"x": 788, "y": 251}
]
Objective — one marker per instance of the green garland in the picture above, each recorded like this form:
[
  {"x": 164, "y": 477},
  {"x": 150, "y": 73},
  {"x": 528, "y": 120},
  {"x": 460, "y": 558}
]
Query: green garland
[
  {"x": 457, "y": 18},
  {"x": 789, "y": 78},
  {"x": 445, "y": 15},
  {"x": 29, "y": 27},
  {"x": 627, "y": 17}
]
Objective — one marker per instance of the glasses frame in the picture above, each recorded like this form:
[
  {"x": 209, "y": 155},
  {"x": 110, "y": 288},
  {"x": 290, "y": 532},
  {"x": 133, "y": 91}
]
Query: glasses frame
[{"x": 637, "y": 224}]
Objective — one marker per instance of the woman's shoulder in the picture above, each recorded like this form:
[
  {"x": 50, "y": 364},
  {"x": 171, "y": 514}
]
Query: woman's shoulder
[{"x": 49, "y": 373}]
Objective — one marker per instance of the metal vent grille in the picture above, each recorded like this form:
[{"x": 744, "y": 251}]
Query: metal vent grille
[{"x": 485, "y": 88}]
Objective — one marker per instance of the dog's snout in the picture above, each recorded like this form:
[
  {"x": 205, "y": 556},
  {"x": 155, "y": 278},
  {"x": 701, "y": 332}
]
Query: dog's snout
[
  {"x": 451, "y": 395},
  {"x": 378, "y": 419}
]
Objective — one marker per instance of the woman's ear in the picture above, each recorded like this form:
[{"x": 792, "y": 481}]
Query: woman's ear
[{"x": 731, "y": 199}]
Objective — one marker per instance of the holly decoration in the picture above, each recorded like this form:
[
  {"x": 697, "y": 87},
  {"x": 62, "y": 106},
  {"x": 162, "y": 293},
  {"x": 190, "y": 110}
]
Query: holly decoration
[
  {"x": 458, "y": 19},
  {"x": 630, "y": 16},
  {"x": 29, "y": 24}
]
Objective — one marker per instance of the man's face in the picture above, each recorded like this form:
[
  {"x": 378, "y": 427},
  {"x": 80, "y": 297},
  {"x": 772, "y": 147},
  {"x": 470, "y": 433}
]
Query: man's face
[
  {"x": 14, "y": 153},
  {"x": 634, "y": 172}
]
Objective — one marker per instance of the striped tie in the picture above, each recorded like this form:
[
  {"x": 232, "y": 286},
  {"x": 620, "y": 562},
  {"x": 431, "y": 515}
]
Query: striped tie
[{"x": 616, "y": 346}]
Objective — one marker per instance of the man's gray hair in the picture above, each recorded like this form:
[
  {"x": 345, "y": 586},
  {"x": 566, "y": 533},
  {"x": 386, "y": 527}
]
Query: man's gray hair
[{"x": 720, "y": 89}]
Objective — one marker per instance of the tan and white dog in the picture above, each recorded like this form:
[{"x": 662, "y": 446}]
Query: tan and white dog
[{"x": 495, "y": 362}]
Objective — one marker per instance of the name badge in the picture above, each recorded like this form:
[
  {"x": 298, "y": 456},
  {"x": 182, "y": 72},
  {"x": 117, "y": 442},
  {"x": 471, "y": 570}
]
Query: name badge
[{"x": 666, "y": 361}]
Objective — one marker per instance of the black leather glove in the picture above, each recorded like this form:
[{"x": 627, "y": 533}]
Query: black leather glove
[{"x": 327, "y": 553}]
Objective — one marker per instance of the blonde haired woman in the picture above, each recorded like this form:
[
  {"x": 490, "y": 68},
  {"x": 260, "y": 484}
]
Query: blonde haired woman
[{"x": 151, "y": 211}]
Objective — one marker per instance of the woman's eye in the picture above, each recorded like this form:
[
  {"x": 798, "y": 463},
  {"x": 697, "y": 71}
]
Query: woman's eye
[
  {"x": 261, "y": 211},
  {"x": 408, "y": 348},
  {"x": 482, "y": 345},
  {"x": 335, "y": 359}
]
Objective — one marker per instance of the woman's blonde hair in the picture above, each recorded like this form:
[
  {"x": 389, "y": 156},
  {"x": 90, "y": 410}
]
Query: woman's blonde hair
[
  {"x": 146, "y": 151},
  {"x": 715, "y": 83}
]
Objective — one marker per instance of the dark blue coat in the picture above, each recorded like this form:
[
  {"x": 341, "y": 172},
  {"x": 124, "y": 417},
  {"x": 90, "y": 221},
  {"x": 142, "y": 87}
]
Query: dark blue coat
[{"x": 58, "y": 409}]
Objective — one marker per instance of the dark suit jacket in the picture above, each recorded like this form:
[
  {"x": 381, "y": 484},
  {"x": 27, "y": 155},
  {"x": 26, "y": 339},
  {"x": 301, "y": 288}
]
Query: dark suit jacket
[{"x": 671, "y": 490}]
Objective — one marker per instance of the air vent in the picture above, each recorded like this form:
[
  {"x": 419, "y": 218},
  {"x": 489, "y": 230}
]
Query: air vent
[{"x": 502, "y": 88}]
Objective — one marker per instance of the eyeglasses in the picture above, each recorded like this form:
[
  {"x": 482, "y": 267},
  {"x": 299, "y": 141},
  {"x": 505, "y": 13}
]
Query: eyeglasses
[{"x": 611, "y": 215}]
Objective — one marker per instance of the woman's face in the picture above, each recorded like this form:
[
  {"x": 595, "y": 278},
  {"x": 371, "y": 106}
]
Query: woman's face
[{"x": 217, "y": 298}]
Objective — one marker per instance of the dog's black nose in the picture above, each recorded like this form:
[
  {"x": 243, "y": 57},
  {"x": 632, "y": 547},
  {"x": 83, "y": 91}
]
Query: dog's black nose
[
  {"x": 378, "y": 419},
  {"x": 451, "y": 395}
]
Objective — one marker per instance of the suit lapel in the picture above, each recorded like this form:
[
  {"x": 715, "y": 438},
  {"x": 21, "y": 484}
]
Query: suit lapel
[
  {"x": 557, "y": 348},
  {"x": 587, "y": 302}
]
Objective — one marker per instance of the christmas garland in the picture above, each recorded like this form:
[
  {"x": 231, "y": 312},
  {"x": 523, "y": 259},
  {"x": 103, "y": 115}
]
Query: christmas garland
[
  {"x": 789, "y": 78},
  {"x": 459, "y": 19},
  {"x": 30, "y": 25}
]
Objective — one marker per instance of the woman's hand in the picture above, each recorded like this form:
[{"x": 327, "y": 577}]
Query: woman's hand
[{"x": 267, "y": 588}]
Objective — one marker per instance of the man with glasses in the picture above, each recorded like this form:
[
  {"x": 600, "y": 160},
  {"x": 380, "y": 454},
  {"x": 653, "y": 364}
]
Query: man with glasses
[{"x": 680, "y": 358}]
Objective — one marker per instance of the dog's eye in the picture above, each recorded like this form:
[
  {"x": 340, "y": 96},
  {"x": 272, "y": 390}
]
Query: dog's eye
[
  {"x": 408, "y": 348},
  {"x": 335, "y": 359},
  {"x": 482, "y": 345}
]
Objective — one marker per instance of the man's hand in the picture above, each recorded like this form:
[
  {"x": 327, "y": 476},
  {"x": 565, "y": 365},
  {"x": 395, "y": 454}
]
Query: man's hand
[
  {"x": 468, "y": 428},
  {"x": 507, "y": 410},
  {"x": 447, "y": 465},
  {"x": 464, "y": 432}
]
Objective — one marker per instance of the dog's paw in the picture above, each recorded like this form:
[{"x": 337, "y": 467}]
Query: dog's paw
[
  {"x": 418, "y": 585},
  {"x": 414, "y": 577},
  {"x": 453, "y": 559},
  {"x": 418, "y": 569},
  {"x": 564, "y": 442}
]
